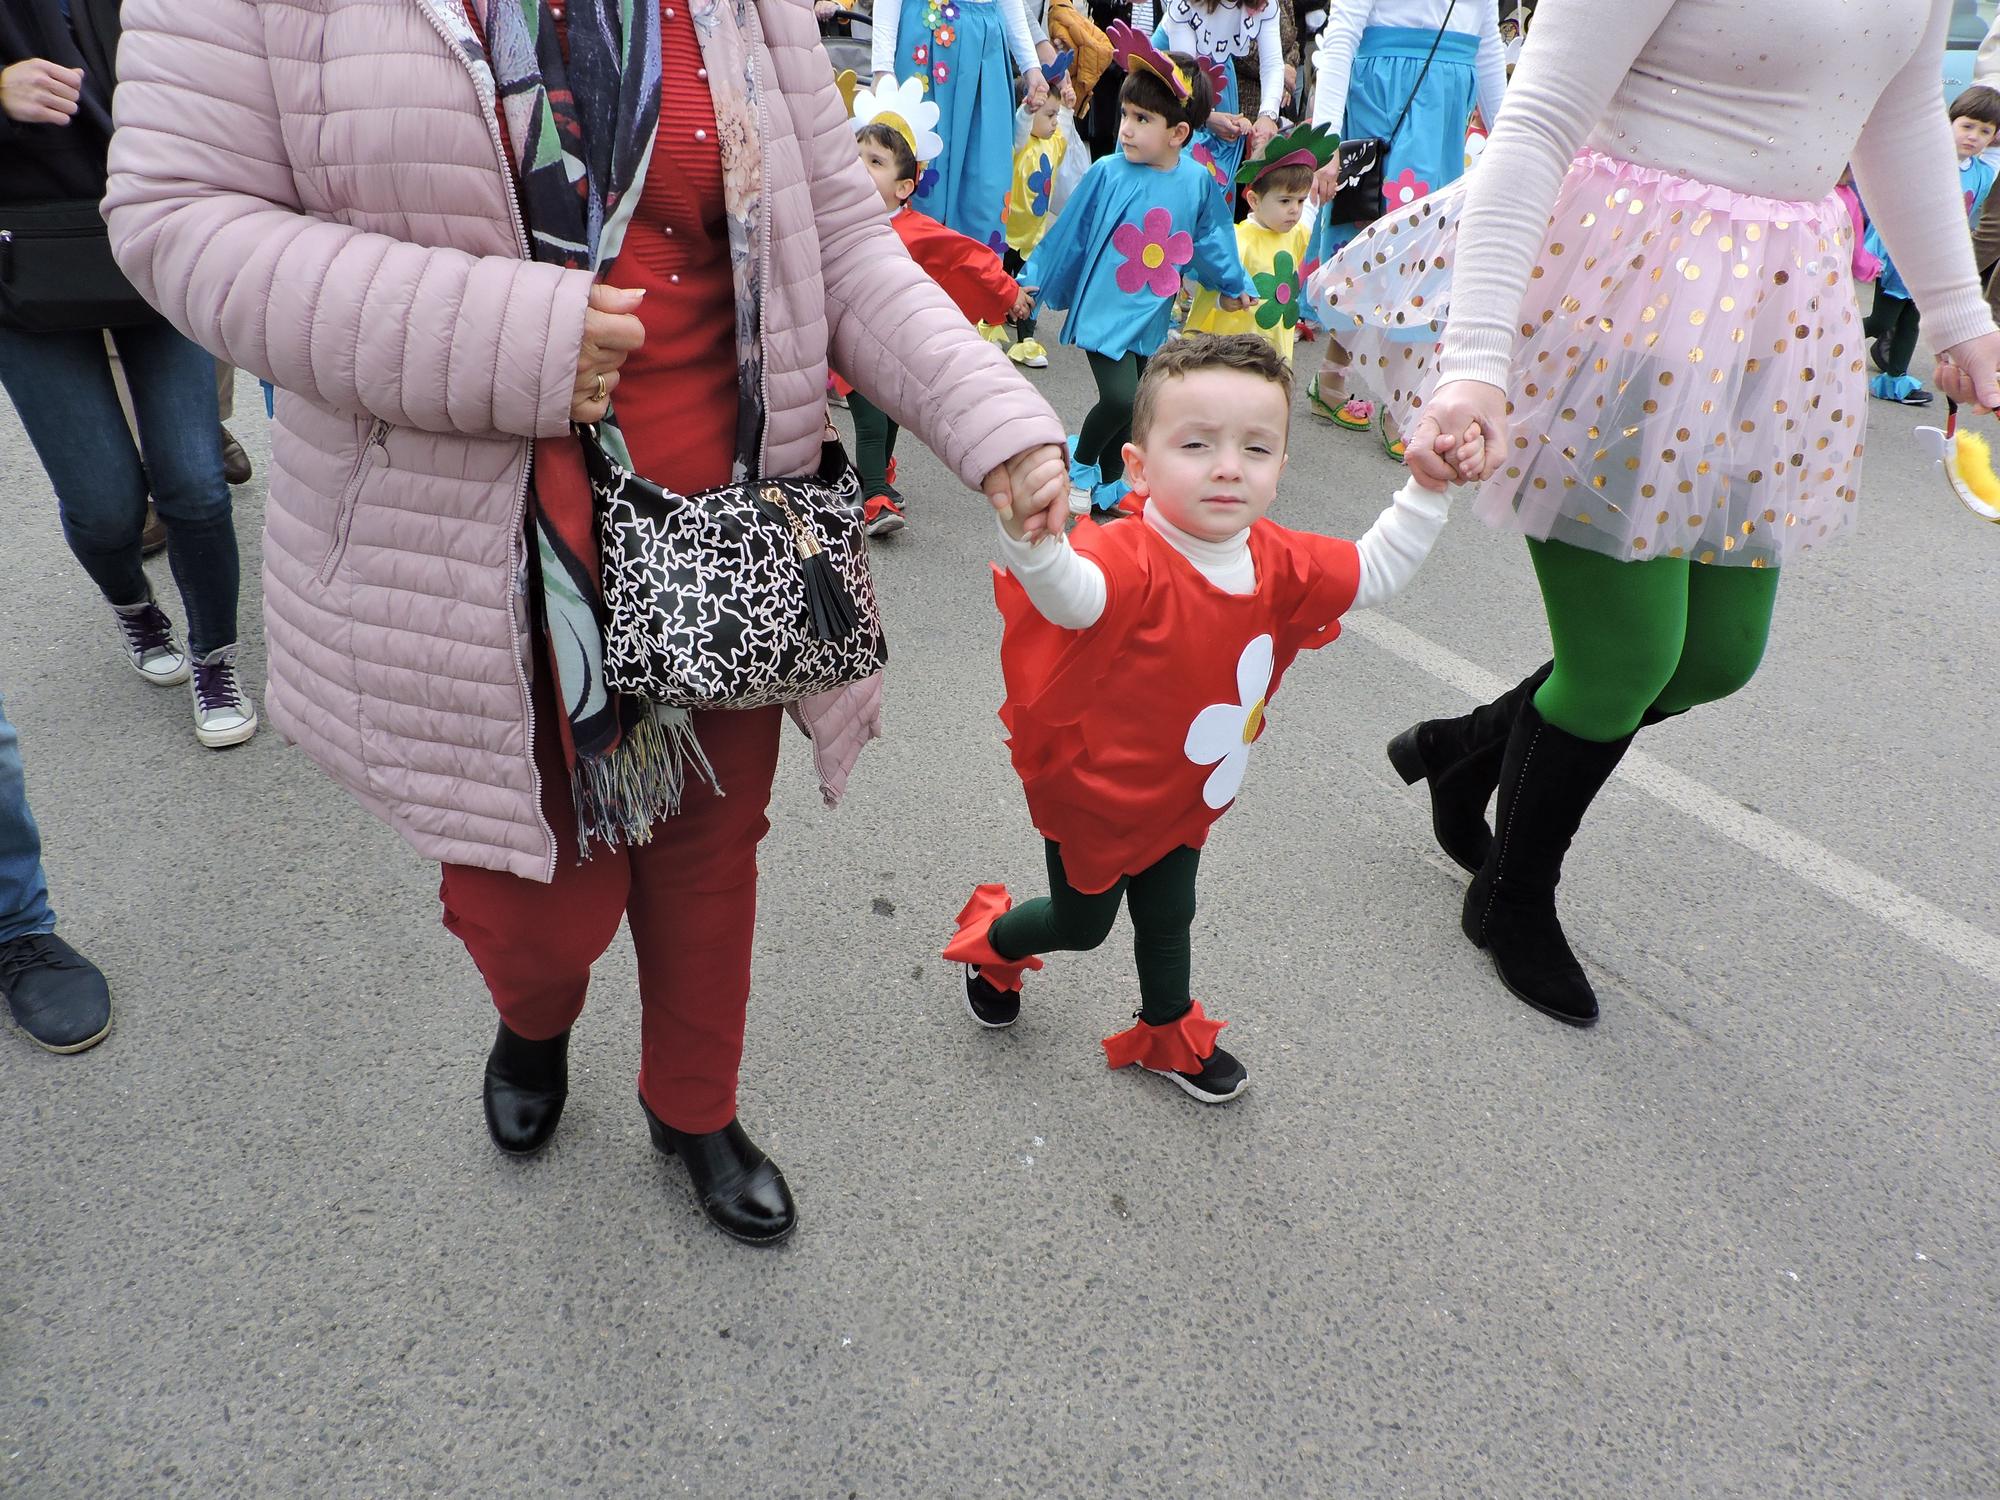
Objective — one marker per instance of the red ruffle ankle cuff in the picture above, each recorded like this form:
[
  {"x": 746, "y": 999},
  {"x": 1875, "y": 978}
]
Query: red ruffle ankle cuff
[
  {"x": 969, "y": 945},
  {"x": 1181, "y": 1046}
]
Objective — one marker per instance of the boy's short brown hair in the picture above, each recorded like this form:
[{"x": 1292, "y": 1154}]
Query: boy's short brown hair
[
  {"x": 892, "y": 140},
  {"x": 1207, "y": 351},
  {"x": 1979, "y": 103},
  {"x": 1144, "y": 90},
  {"x": 1295, "y": 178}
]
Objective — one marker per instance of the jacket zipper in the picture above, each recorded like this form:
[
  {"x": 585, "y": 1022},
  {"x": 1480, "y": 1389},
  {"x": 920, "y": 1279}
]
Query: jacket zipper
[
  {"x": 372, "y": 452},
  {"x": 764, "y": 245},
  {"x": 517, "y": 529}
]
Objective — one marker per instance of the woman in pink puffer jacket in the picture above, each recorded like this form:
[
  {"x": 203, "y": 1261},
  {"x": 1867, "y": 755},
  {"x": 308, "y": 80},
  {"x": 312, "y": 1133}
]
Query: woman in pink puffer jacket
[{"x": 324, "y": 192}]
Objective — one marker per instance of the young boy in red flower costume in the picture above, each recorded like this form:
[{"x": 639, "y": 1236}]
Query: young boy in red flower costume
[{"x": 1139, "y": 659}]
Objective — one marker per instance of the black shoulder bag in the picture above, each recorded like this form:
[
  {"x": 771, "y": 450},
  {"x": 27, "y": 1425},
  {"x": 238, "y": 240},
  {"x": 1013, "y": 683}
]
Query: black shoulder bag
[{"x": 747, "y": 595}]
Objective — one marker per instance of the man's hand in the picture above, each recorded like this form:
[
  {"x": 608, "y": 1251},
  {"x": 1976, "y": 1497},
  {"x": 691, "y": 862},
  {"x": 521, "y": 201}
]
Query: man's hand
[
  {"x": 611, "y": 331},
  {"x": 1461, "y": 436},
  {"x": 1031, "y": 492},
  {"x": 39, "y": 92},
  {"x": 1966, "y": 372}
]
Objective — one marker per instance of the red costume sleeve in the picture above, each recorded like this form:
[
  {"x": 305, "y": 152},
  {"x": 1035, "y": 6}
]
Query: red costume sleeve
[
  {"x": 1325, "y": 575},
  {"x": 970, "y": 274}
]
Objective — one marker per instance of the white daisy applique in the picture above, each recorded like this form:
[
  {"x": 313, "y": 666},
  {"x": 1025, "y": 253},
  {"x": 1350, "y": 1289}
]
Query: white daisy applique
[{"x": 1220, "y": 735}]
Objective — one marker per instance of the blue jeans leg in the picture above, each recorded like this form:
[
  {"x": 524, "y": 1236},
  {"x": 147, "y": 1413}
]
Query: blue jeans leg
[
  {"x": 24, "y": 887},
  {"x": 60, "y": 384}
]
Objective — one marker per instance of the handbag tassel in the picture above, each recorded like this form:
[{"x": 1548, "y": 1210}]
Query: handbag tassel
[{"x": 833, "y": 615}]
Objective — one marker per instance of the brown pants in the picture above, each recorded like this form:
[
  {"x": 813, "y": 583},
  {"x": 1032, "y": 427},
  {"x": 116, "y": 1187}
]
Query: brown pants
[{"x": 1986, "y": 254}]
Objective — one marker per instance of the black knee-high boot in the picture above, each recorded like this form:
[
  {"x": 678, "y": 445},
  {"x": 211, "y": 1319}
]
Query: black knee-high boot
[
  {"x": 1460, "y": 758},
  {"x": 1547, "y": 781}
]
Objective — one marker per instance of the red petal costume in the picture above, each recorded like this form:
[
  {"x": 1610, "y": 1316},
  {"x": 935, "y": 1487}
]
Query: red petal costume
[{"x": 1099, "y": 719}]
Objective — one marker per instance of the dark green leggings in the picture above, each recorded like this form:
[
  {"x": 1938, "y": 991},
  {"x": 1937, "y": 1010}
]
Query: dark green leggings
[
  {"x": 874, "y": 444},
  {"x": 1629, "y": 636},
  {"x": 1067, "y": 921},
  {"x": 1894, "y": 321},
  {"x": 1101, "y": 439}
]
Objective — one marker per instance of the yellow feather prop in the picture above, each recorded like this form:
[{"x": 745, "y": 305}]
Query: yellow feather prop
[{"x": 1972, "y": 461}]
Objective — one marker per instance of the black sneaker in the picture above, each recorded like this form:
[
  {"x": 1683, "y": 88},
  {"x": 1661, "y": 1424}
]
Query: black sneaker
[
  {"x": 1221, "y": 1078},
  {"x": 990, "y": 1005},
  {"x": 58, "y": 996}
]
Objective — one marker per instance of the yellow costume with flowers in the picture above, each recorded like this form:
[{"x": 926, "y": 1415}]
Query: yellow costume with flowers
[{"x": 1274, "y": 263}]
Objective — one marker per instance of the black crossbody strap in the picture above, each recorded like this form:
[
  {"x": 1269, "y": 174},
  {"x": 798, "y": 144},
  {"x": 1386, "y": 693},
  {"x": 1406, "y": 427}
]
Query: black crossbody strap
[{"x": 1417, "y": 87}]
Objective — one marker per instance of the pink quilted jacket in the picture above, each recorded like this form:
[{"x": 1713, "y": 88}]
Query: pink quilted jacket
[{"x": 315, "y": 190}]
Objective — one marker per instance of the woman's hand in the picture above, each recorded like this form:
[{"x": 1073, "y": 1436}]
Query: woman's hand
[
  {"x": 38, "y": 92},
  {"x": 1326, "y": 183},
  {"x": 1262, "y": 133},
  {"x": 1038, "y": 91},
  {"x": 1446, "y": 443},
  {"x": 611, "y": 331},
  {"x": 1966, "y": 372},
  {"x": 1227, "y": 127},
  {"x": 1031, "y": 490}
]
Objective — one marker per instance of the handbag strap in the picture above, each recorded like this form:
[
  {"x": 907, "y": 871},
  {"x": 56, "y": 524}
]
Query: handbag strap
[{"x": 1417, "y": 87}]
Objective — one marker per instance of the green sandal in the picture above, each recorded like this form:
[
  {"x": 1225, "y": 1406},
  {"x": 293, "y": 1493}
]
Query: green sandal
[{"x": 1393, "y": 446}]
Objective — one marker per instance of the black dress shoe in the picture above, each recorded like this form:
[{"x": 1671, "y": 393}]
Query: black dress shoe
[
  {"x": 526, "y": 1085},
  {"x": 235, "y": 462},
  {"x": 739, "y": 1188},
  {"x": 58, "y": 996}
]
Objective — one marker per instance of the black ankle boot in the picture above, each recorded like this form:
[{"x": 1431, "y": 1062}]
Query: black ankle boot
[
  {"x": 739, "y": 1187},
  {"x": 526, "y": 1084},
  {"x": 1547, "y": 781},
  {"x": 1460, "y": 758}
]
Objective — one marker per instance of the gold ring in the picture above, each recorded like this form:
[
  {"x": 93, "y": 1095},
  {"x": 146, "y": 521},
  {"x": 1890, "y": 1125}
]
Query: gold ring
[{"x": 598, "y": 394}]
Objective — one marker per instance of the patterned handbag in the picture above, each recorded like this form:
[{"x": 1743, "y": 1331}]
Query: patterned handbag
[{"x": 752, "y": 594}]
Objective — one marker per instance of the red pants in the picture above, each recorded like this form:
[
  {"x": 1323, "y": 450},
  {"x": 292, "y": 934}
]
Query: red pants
[{"x": 692, "y": 897}]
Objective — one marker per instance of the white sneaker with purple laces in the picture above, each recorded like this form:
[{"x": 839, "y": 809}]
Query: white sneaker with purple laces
[
  {"x": 149, "y": 642},
  {"x": 223, "y": 713}
]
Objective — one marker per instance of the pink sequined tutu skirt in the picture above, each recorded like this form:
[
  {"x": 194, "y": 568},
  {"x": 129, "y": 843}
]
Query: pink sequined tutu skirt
[{"x": 1688, "y": 379}]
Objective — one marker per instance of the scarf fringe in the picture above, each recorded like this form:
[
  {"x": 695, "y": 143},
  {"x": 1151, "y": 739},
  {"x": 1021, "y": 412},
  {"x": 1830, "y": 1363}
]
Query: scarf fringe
[{"x": 622, "y": 795}]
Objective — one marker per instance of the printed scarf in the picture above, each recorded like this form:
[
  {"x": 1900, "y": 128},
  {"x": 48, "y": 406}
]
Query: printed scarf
[{"x": 582, "y": 130}]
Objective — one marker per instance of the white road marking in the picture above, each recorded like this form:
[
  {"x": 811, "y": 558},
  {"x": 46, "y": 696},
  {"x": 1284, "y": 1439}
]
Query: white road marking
[{"x": 1819, "y": 867}]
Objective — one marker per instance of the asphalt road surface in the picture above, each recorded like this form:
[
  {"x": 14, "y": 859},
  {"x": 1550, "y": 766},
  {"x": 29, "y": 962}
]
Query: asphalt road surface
[{"x": 1738, "y": 1240}]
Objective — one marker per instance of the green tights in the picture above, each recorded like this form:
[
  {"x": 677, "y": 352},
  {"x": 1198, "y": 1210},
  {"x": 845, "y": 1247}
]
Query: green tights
[
  {"x": 1101, "y": 439},
  {"x": 1629, "y": 636},
  {"x": 1068, "y": 921},
  {"x": 874, "y": 444}
]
